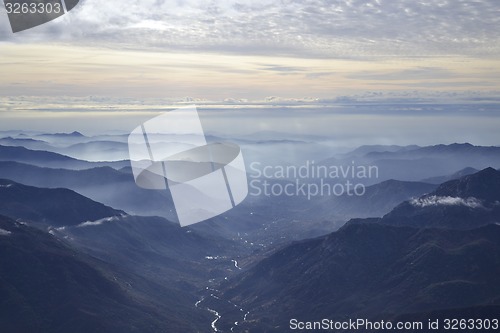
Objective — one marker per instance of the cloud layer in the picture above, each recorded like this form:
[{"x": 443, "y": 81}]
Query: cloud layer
[
  {"x": 434, "y": 200},
  {"x": 309, "y": 28}
]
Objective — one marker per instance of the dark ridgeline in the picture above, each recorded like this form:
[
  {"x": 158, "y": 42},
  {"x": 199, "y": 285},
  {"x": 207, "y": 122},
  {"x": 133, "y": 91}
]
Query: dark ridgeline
[{"x": 51, "y": 207}]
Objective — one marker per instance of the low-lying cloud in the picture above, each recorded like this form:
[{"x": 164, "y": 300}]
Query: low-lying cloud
[
  {"x": 435, "y": 200},
  {"x": 5, "y": 232}
]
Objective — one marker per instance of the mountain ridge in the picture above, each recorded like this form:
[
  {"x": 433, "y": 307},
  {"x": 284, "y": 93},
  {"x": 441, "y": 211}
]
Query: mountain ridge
[{"x": 55, "y": 207}]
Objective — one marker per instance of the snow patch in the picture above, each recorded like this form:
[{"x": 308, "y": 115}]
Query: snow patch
[
  {"x": 5, "y": 232},
  {"x": 435, "y": 200},
  {"x": 98, "y": 222},
  {"x": 6, "y": 186}
]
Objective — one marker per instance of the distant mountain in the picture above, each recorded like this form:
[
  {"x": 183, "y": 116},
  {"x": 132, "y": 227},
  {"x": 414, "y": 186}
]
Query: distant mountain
[
  {"x": 46, "y": 286},
  {"x": 444, "y": 159},
  {"x": 456, "y": 175},
  {"x": 423, "y": 162},
  {"x": 249, "y": 220},
  {"x": 55, "y": 207},
  {"x": 366, "y": 149},
  {"x": 62, "y": 138},
  {"x": 447, "y": 150},
  {"x": 468, "y": 202},
  {"x": 367, "y": 271},
  {"x": 102, "y": 184},
  {"x": 378, "y": 199},
  {"x": 26, "y": 143},
  {"x": 97, "y": 151},
  {"x": 50, "y": 159},
  {"x": 74, "y": 134}
]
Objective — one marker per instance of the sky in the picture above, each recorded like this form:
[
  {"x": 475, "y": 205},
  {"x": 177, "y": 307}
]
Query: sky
[{"x": 149, "y": 55}]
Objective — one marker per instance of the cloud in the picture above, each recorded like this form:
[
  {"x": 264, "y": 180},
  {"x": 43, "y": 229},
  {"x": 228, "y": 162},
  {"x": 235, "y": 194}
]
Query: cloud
[
  {"x": 309, "y": 28},
  {"x": 283, "y": 69},
  {"x": 5, "y": 232},
  {"x": 418, "y": 73},
  {"x": 98, "y": 222},
  {"x": 434, "y": 200}
]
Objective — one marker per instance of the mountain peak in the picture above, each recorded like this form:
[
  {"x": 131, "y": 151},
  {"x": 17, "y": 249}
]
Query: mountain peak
[
  {"x": 74, "y": 134},
  {"x": 465, "y": 144},
  {"x": 484, "y": 185}
]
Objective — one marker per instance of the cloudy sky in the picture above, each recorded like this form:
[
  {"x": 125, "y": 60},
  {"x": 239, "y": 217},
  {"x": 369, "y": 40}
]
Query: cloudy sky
[{"x": 153, "y": 52}]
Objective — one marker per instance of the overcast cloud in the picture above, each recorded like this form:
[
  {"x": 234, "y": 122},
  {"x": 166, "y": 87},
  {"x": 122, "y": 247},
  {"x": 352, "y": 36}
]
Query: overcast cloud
[
  {"x": 309, "y": 28},
  {"x": 380, "y": 71}
]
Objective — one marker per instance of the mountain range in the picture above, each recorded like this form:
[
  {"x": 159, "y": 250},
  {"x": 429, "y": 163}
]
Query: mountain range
[
  {"x": 52, "y": 207},
  {"x": 50, "y": 159},
  {"x": 375, "y": 269},
  {"x": 78, "y": 256},
  {"x": 465, "y": 203},
  {"x": 415, "y": 163},
  {"x": 47, "y": 286}
]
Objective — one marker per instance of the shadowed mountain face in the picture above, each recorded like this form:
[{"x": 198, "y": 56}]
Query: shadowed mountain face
[
  {"x": 151, "y": 261},
  {"x": 45, "y": 286},
  {"x": 371, "y": 269},
  {"x": 483, "y": 185},
  {"x": 152, "y": 247},
  {"x": 156, "y": 249},
  {"x": 367, "y": 270},
  {"x": 55, "y": 207}
]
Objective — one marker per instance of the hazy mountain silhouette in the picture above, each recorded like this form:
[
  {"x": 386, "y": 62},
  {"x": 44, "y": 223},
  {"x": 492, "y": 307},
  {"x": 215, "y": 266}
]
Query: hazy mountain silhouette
[
  {"x": 366, "y": 149},
  {"x": 378, "y": 199},
  {"x": 415, "y": 164},
  {"x": 99, "y": 150},
  {"x": 55, "y": 207},
  {"x": 103, "y": 184},
  {"x": 51, "y": 160},
  {"x": 26, "y": 143},
  {"x": 456, "y": 175}
]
